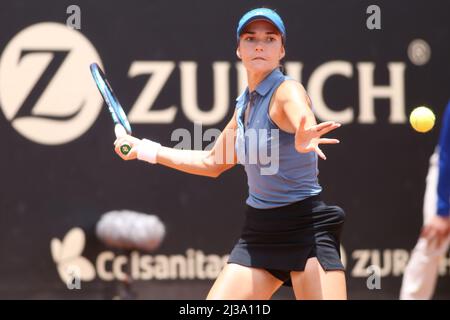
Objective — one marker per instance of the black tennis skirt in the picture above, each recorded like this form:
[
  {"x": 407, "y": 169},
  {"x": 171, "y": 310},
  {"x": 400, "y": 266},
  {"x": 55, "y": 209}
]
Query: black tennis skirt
[{"x": 282, "y": 239}]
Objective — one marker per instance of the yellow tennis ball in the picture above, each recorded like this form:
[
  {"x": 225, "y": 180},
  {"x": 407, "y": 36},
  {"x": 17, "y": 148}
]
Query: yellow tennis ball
[{"x": 422, "y": 119}]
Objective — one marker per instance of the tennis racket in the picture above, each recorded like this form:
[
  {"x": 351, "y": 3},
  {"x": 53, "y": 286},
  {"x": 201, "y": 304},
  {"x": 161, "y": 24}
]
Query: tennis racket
[{"x": 122, "y": 126}]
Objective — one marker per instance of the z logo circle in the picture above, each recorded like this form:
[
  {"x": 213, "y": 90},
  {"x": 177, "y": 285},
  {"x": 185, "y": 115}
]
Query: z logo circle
[{"x": 46, "y": 90}]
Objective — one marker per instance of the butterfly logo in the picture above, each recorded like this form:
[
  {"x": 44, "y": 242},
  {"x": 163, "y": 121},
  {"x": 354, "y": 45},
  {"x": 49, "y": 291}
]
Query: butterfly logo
[{"x": 67, "y": 256}]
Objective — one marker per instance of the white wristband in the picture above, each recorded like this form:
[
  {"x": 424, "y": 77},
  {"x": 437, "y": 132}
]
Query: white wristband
[{"x": 147, "y": 150}]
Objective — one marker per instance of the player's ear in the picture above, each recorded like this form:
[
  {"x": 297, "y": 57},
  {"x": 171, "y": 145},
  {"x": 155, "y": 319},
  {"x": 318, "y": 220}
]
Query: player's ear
[
  {"x": 238, "y": 53},
  {"x": 282, "y": 52}
]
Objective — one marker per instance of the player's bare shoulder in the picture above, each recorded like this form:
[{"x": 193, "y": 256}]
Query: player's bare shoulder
[{"x": 290, "y": 90}]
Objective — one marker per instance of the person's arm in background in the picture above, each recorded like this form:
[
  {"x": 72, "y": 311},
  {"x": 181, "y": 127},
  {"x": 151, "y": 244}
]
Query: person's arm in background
[
  {"x": 444, "y": 167},
  {"x": 439, "y": 226}
]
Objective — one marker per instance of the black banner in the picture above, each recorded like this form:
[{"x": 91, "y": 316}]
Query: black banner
[{"x": 174, "y": 68}]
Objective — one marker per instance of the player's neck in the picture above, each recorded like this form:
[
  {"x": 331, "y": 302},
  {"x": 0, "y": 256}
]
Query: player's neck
[{"x": 255, "y": 78}]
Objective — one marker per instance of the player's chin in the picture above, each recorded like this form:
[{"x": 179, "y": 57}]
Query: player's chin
[{"x": 259, "y": 65}]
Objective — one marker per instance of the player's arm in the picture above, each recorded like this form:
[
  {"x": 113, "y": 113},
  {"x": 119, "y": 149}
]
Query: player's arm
[
  {"x": 291, "y": 103},
  {"x": 292, "y": 112},
  {"x": 438, "y": 228},
  {"x": 209, "y": 163}
]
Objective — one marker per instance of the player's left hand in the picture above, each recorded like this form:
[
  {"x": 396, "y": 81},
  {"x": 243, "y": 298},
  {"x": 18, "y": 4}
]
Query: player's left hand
[{"x": 308, "y": 139}]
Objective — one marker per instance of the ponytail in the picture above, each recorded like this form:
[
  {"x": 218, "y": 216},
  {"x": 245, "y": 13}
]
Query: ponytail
[{"x": 282, "y": 69}]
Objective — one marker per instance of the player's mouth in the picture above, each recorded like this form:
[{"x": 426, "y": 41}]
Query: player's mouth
[{"x": 259, "y": 58}]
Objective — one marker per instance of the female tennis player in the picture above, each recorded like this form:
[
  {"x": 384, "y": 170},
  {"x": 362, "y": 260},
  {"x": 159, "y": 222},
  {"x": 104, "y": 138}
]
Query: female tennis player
[{"x": 290, "y": 235}]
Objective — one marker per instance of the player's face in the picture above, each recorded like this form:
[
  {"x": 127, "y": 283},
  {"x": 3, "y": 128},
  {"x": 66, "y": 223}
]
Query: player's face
[{"x": 260, "y": 46}]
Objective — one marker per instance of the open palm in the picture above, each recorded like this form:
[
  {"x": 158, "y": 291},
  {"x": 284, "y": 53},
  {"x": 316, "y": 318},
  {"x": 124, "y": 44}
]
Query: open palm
[{"x": 308, "y": 139}]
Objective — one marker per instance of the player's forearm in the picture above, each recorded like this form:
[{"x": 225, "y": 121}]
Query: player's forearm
[
  {"x": 190, "y": 161},
  {"x": 206, "y": 163}
]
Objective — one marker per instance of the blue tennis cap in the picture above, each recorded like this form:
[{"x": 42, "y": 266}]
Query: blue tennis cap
[{"x": 261, "y": 14}]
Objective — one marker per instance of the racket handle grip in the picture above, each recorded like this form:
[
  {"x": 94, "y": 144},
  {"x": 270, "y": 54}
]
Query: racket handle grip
[
  {"x": 125, "y": 149},
  {"x": 120, "y": 131}
]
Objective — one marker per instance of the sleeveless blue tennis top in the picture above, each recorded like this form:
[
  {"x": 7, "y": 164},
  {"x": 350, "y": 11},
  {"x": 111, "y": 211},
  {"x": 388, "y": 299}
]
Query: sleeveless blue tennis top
[{"x": 277, "y": 174}]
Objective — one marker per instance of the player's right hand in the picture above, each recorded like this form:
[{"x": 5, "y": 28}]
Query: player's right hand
[{"x": 132, "y": 142}]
